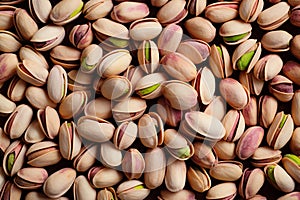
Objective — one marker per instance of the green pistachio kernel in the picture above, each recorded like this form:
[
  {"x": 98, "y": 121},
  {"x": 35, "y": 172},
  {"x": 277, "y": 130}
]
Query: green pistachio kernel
[
  {"x": 139, "y": 187},
  {"x": 75, "y": 12},
  {"x": 294, "y": 158},
  {"x": 235, "y": 38},
  {"x": 148, "y": 90},
  {"x": 118, "y": 42},
  {"x": 283, "y": 120},
  {"x": 147, "y": 51},
  {"x": 245, "y": 60},
  {"x": 184, "y": 152},
  {"x": 86, "y": 66},
  {"x": 270, "y": 172},
  {"x": 10, "y": 161},
  {"x": 220, "y": 51}
]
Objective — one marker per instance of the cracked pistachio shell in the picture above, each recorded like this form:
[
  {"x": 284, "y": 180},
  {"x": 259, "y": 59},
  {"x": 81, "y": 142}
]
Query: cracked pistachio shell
[
  {"x": 172, "y": 12},
  {"x": 8, "y": 66},
  {"x": 107, "y": 194},
  {"x": 155, "y": 167},
  {"x": 82, "y": 190},
  {"x": 204, "y": 155},
  {"x": 274, "y": 16},
  {"x": 220, "y": 12},
  {"x": 250, "y": 112},
  {"x": 234, "y": 93},
  {"x": 276, "y": 41},
  {"x": 29, "y": 53},
  {"x": 280, "y": 131},
  {"x": 49, "y": 121},
  {"x": 25, "y": 26},
  {"x": 249, "y": 142},
  {"x": 200, "y": 28},
  {"x": 18, "y": 121},
  {"x": 291, "y": 165},
  {"x": 32, "y": 73},
  {"x": 40, "y": 10},
  {"x": 85, "y": 158},
  {"x": 199, "y": 179},
  {"x": 99, "y": 107},
  {"x": 182, "y": 194},
  {"x": 220, "y": 62},
  {"x": 196, "y": 50},
  {"x": 114, "y": 63},
  {"x": 132, "y": 190},
  {"x": 173, "y": 92},
  {"x": 34, "y": 195},
  {"x": 291, "y": 69},
  {"x": 265, "y": 155},
  {"x": 129, "y": 109},
  {"x": 251, "y": 182},
  {"x": 125, "y": 135},
  {"x": 30, "y": 178},
  {"x": 95, "y": 9},
  {"x": 9, "y": 42},
  {"x": 127, "y": 11},
  {"x": 267, "y": 109},
  {"x": 290, "y": 196},
  {"x": 116, "y": 88},
  {"x": 249, "y": 81},
  {"x": 294, "y": 142},
  {"x": 38, "y": 97},
  {"x": 246, "y": 55},
  {"x": 16, "y": 89},
  {"x": 90, "y": 56},
  {"x": 227, "y": 170},
  {"x": 73, "y": 104},
  {"x": 234, "y": 124},
  {"x": 69, "y": 141},
  {"x": 48, "y": 37},
  {"x": 196, "y": 7},
  {"x": 133, "y": 164},
  {"x": 250, "y": 9},
  {"x": 235, "y": 31},
  {"x": 282, "y": 88},
  {"x": 81, "y": 35},
  {"x": 169, "y": 39},
  {"x": 43, "y": 154},
  {"x": 34, "y": 133},
  {"x": 14, "y": 158},
  {"x": 149, "y": 86},
  {"x": 66, "y": 11},
  {"x": 279, "y": 178},
  {"x": 57, "y": 83},
  {"x": 67, "y": 57},
  {"x": 209, "y": 128},
  {"x": 178, "y": 167},
  {"x": 110, "y": 156},
  {"x": 6, "y": 17},
  {"x": 268, "y": 67},
  {"x": 101, "y": 177},
  {"x": 216, "y": 108},
  {"x": 225, "y": 150},
  {"x": 151, "y": 130},
  {"x": 204, "y": 84},
  {"x": 134, "y": 74},
  {"x": 10, "y": 191},
  {"x": 169, "y": 115},
  {"x": 65, "y": 177},
  {"x": 79, "y": 81},
  {"x": 173, "y": 62},
  {"x": 226, "y": 190},
  {"x": 148, "y": 56},
  {"x": 6, "y": 106},
  {"x": 145, "y": 29},
  {"x": 95, "y": 129}
]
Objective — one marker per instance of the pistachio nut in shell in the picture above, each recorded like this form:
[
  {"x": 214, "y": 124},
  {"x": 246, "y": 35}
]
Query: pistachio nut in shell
[
  {"x": 66, "y": 11},
  {"x": 8, "y": 66},
  {"x": 295, "y": 46},
  {"x": 29, "y": 53},
  {"x": 172, "y": 12},
  {"x": 250, "y": 112},
  {"x": 57, "y": 83},
  {"x": 83, "y": 190},
  {"x": 40, "y": 10},
  {"x": 219, "y": 103},
  {"x": 179, "y": 94},
  {"x": 7, "y": 106},
  {"x": 132, "y": 190},
  {"x": 125, "y": 135},
  {"x": 31, "y": 178},
  {"x": 110, "y": 156},
  {"x": 116, "y": 88},
  {"x": 18, "y": 121},
  {"x": 235, "y": 31},
  {"x": 220, "y": 62},
  {"x": 227, "y": 170},
  {"x": 81, "y": 35},
  {"x": 178, "y": 167},
  {"x": 234, "y": 124},
  {"x": 48, "y": 37},
  {"x": 198, "y": 178},
  {"x": 9, "y": 42},
  {"x": 253, "y": 84},
  {"x": 204, "y": 155},
  {"x": 107, "y": 194},
  {"x": 101, "y": 177},
  {"x": 182, "y": 194},
  {"x": 169, "y": 115},
  {"x": 25, "y": 26},
  {"x": 66, "y": 56},
  {"x": 291, "y": 69},
  {"x": 220, "y": 12},
  {"x": 235, "y": 94},
  {"x": 16, "y": 89},
  {"x": 274, "y": 16},
  {"x": 225, "y": 190},
  {"x": 265, "y": 155},
  {"x": 85, "y": 158},
  {"x": 267, "y": 109},
  {"x": 38, "y": 97},
  {"x": 251, "y": 182},
  {"x": 268, "y": 67},
  {"x": 128, "y": 11},
  {"x": 279, "y": 178},
  {"x": 294, "y": 142},
  {"x": 295, "y": 106},
  {"x": 276, "y": 41},
  {"x": 200, "y": 28},
  {"x": 133, "y": 164},
  {"x": 10, "y": 191},
  {"x": 250, "y": 9},
  {"x": 169, "y": 39},
  {"x": 49, "y": 121},
  {"x": 249, "y": 142},
  {"x": 148, "y": 56},
  {"x": 95, "y": 9},
  {"x": 291, "y": 164},
  {"x": 14, "y": 158},
  {"x": 291, "y": 195},
  {"x": 225, "y": 150},
  {"x": 99, "y": 107},
  {"x": 65, "y": 177},
  {"x": 34, "y": 133},
  {"x": 89, "y": 58},
  {"x": 6, "y": 17},
  {"x": 145, "y": 29},
  {"x": 196, "y": 7}
]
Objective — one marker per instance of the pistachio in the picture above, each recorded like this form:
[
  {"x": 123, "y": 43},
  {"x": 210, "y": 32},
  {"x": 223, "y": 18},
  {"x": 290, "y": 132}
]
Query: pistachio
[
  {"x": 29, "y": 53},
  {"x": 67, "y": 57},
  {"x": 132, "y": 190},
  {"x": 267, "y": 108},
  {"x": 225, "y": 150},
  {"x": 107, "y": 194},
  {"x": 31, "y": 178},
  {"x": 145, "y": 29},
  {"x": 291, "y": 164},
  {"x": 90, "y": 56},
  {"x": 6, "y": 16},
  {"x": 16, "y": 89},
  {"x": 110, "y": 156},
  {"x": 9, "y": 42},
  {"x": 85, "y": 158},
  {"x": 116, "y": 88},
  {"x": 234, "y": 123},
  {"x": 34, "y": 133},
  {"x": 220, "y": 12},
  {"x": 198, "y": 179},
  {"x": 126, "y": 12},
  {"x": 38, "y": 97},
  {"x": 250, "y": 9},
  {"x": 99, "y": 107},
  {"x": 182, "y": 194},
  {"x": 226, "y": 190},
  {"x": 82, "y": 189},
  {"x": 227, "y": 170},
  {"x": 7, "y": 106},
  {"x": 265, "y": 155},
  {"x": 172, "y": 12},
  {"x": 66, "y": 11},
  {"x": 95, "y": 9},
  {"x": 235, "y": 31},
  {"x": 291, "y": 70},
  {"x": 175, "y": 183},
  {"x": 101, "y": 177},
  {"x": 204, "y": 155},
  {"x": 133, "y": 164},
  {"x": 40, "y": 10},
  {"x": 276, "y": 41},
  {"x": 8, "y": 66},
  {"x": 49, "y": 121},
  {"x": 81, "y": 36},
  {"x": 196, "y": 50},
  {"x": 125, "y": 135},
  {"x": 262, "y": 68},
  {"x": 10, "y": 191},
  {"x": 294, "y": 144},
  {"x": 24, "y": 24},
  {"x": 220, "y": 62}
]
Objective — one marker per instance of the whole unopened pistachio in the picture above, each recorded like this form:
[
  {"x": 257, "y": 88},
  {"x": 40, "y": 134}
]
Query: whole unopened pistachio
[
  {"x": 8, "y": 66},
  {"x": 178, "y": 167},
  {"x": 128, "y": 11},
  {"x": 220, "y": 12}
]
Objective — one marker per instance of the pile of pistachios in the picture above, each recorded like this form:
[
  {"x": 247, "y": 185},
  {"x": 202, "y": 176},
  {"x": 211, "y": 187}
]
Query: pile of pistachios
[{"x": 149, "y": 99}]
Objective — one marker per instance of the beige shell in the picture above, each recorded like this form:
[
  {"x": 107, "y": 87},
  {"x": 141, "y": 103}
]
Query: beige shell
[
  {"x": 220, "y": 12},
  {"x": 276, "y": 41},
  {"x": 6, "y": 17},
  {"x": 265, "y": 155},
  {"x": 82, "y": 189},
  {"x": 223, "y": 190},
  {"x": 40, "y": 9},
  {"x": 49, "y": 121},
  {"x": 66, "y": 56},
  {"x": 250, "y": 9},
  {"x": 268, "y": 67},
  {"x": 99, "y": 107},
  {"x": 227, "y": 170},
  {"x": 110, "y": 156},
  {"x": 234, "y": 123},
  {"x": 149, "y": 66},
  {"x": 57, "y": 84},
  {"x": 172, "y": 12},
  {"x": 29, "y": 53},
  {"x": 133, "y": 164},
  {"x": 125, "y": 135},
  {"x": 220, "y": 65},
  {"x": 25, "y": 26},
  {"x": 294, "y": 142},
  {"x": 116, "y": 88},
  {"x": 199, "y": 179},
  {"x": 282, "y": 88},
  {"x": 233, "y": 28},
  {"x": 63, "y": 12},
  {"x": 178, "y": 167},
  {"x": 38, "y": 97},
  {"x": 85, "y": 158},
  {"x": 127, "y": 11},
  {"x": 9, "y": 42},
  {"x": 34, "y": 133},
  {"x": 145, "y": 29},
  {"x": 267, "y": 109}
]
